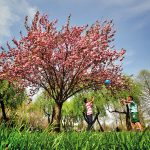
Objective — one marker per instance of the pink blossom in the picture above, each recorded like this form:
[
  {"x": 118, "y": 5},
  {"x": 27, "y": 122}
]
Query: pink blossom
[{"x": 62, "y": 62}]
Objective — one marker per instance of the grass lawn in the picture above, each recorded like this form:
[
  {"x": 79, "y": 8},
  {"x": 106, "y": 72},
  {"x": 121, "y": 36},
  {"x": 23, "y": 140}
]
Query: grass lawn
[{"x": 13, "y": 139}]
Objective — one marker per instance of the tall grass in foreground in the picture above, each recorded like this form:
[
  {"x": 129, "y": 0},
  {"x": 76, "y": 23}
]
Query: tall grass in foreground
[{"x": 13, "y": 139}]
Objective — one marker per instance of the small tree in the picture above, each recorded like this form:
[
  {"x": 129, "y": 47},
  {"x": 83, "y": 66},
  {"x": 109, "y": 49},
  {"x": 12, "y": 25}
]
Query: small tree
[
  {"x": 144, "y": 79},
  {"x": 10, "y": 97},
  {"x": 132, "y": 88},
  {"x": 62, "y": 62},
  {"x": 46, "y": 105}
]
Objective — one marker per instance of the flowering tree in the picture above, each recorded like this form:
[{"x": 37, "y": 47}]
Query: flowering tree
[{"x": 62, "y": 62}]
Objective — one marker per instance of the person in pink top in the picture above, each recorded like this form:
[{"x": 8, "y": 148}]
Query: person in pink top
[{"x": 89, "y": 112}]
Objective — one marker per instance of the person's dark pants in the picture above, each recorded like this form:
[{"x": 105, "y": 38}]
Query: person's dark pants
[{"x": 90, "y": 121}]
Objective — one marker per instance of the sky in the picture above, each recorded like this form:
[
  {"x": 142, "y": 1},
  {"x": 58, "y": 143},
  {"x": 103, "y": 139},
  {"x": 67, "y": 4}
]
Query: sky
[{"x": 130, "y": 17}]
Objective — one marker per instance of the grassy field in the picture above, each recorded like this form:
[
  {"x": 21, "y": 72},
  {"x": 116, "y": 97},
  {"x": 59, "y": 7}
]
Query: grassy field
[{"x": 13, "y": 139}]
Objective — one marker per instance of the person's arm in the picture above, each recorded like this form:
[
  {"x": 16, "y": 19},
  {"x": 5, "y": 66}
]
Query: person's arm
[
  {"x": 92, "y": 100},
  {"x": 124, "y": 101}
]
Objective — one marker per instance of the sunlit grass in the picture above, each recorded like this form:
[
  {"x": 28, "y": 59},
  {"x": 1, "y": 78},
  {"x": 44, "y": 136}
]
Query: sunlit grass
[{"x": 27, "y": 140}]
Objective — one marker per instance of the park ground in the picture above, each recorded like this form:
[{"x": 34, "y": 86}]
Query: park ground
[{"x": 14, "y": 139}]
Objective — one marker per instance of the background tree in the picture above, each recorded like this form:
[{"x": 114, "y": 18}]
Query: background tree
[
  {"x": 99, "y": 104},
  {"x": 72, "y": 112},
  {"x": 63, "y": 62},
  {"x": 45, "y": 104},
  {"x": 144, "y": 79},
  {"x": 10, "y": 97},
  {"x": 134, "y": 89}
]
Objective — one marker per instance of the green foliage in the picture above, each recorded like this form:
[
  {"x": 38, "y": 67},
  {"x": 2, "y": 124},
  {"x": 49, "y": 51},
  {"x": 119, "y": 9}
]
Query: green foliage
[
  {"x": 144, "y": 76},
  {"x": 14, "y": 139},
  {"x": 144, "y": 80},
  {"x": 99, "y": 100},
  {"x": 134, "y": 89},
  {"x": 73, "y": 107},
  {"x": 10, "y": 95},
  {"x": 3, "y": 86},
  {"x": 43, "y": 103},
  {"x": 76, "y": 105}
]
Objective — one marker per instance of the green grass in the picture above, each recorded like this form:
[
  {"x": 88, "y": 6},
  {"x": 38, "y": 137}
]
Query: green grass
[{"x": 13, "y": 139}]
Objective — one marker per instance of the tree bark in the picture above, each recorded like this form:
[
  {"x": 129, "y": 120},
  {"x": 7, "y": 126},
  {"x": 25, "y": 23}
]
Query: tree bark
[
  {"x": 101, "y": 128},
  {"x": 3, "y": 110},
  {"x": 127, "y": 113},
  {"x": 128, "y": 123},
  {"x": 56, "y": 118},
  {"x": 121, "y": 122},
  {"x": 64, "y": 123}
]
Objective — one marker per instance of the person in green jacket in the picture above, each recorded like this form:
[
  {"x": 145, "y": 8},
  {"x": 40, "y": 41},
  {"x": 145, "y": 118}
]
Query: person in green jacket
[{"x": 135, "y": 121}]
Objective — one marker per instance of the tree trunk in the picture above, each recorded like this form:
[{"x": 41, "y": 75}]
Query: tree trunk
[
  {"x": 64, "y": 123},
  {"x": 56, "y": 118},
  {"x": 48, "y": 118},
  {"x": 128, "y": 123},
  {"x": 3, "y": 110},
  {"x": 121, "y": 122},
  {"x": 52, "y": 118},
  {"x": 101, "y": 128}
]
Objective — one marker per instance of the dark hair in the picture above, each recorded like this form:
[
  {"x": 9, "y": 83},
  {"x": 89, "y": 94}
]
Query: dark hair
[
  {"x": 131, "y": 97},
  {"x": 85, "y": 100}
]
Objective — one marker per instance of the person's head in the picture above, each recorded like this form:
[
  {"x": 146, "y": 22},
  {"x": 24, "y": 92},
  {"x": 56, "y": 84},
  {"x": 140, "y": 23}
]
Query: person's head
[
  {"x": 130, "y": 98},
  {"x": 85, "y": 100}
]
